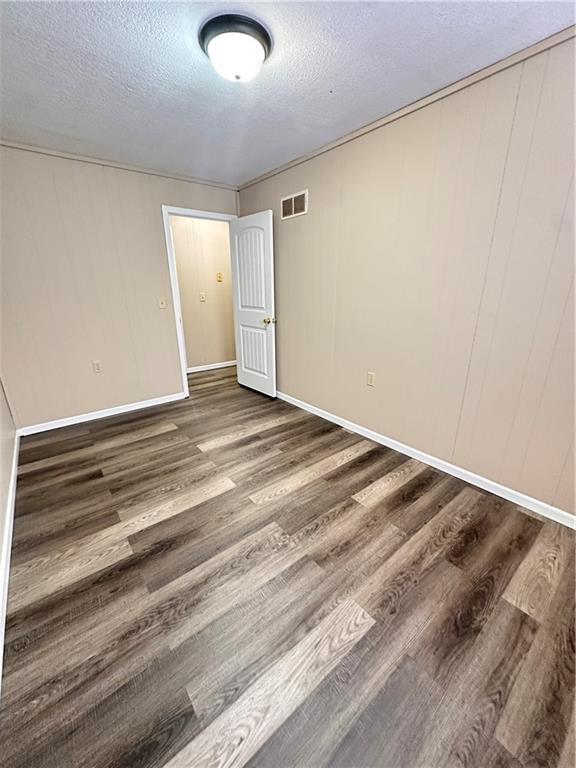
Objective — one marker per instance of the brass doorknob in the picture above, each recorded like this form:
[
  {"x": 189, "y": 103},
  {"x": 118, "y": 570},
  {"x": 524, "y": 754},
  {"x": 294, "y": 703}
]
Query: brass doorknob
[{"x": 268, "y": 320}]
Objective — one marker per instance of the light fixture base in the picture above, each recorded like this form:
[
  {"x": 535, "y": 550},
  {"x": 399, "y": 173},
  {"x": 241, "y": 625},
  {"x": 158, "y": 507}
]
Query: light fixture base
[{"x": 234, "y": 22}]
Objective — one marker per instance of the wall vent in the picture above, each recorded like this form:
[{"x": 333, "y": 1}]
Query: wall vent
[{"x": 294, "y": 205}]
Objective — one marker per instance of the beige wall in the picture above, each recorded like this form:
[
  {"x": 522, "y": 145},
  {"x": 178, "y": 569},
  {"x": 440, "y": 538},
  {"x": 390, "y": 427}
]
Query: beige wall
[
  {"x": 202, "y": 250},
  {"x": 84, "y": 262},
  {"x": 7, "y": 441},
  {"x": 438, "y": 252}
]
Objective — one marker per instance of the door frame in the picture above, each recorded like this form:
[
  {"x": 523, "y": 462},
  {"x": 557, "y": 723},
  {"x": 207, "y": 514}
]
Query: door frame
[{"x": 191, "y": 213}]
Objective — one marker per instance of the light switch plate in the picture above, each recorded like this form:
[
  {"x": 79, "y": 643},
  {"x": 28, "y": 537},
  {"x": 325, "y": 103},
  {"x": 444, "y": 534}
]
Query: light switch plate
[
  {"x": 202, "y": 296},
  {"x": 371, "y": 379},
  {"x": 219, "y": 277},
  {"x": 162, "y": 303},
  {"x": 97, "y": 366}
]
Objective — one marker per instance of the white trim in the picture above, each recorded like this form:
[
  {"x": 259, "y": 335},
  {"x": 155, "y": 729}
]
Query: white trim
[
  {"x": 540, "y": 507},
  {"x": 211, "y": 366},
  {"x": 167, "y": 211},
  {"x": 115, "y": 411},
  {"x": 111, "y": 164},
  {"x": 7, "y": 547},
  {"x": 175, "y": 297},
  {"x": 192, "y": 213}
]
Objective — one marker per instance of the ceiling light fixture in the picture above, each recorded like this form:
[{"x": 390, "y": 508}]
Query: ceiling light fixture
[{"x": 236, "y": 45}]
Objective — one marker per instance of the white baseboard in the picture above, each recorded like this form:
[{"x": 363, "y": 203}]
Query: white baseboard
[
  {"x": 211, "y": 366},
  {"x": 115, "y": 411},
  {"x": 540, "y": 507},
  {"x": 7, "y": 547}
]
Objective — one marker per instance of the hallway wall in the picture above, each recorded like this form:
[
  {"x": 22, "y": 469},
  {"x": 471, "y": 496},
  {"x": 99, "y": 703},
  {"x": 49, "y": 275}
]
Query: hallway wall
[{"x": 202, "y": 248}]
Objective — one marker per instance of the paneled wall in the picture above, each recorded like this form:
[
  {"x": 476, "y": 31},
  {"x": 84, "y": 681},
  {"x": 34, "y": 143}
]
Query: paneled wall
[
  {"x": 7, "y": 445},
  {"x": 438, "y": 253},
  {"x": 84, "y": 264},
  {"x": 202, "y": 249},
  {"x": 7, "y": 441}
]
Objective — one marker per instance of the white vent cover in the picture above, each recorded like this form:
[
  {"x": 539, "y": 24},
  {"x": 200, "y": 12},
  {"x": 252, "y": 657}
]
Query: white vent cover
[{"x": 294, "y": 205}]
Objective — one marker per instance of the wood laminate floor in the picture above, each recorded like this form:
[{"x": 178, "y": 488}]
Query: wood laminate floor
[{"x": 229, "y": 581}]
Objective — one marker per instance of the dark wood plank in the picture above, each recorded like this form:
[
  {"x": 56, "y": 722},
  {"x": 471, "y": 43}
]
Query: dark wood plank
[
  {"x": 488, "y": 565},
  {"x": 392, "y": 724},
  {"x": 228, "y": 580},
  {"x": 314, "y": 733},
  {"x": 461, "y": 732},
  {"x": 539, "y": 715},
  {"x": 536, "y": 579}
]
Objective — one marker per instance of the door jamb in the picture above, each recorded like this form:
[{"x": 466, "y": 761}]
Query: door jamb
[{"x": 167, "y": 211}]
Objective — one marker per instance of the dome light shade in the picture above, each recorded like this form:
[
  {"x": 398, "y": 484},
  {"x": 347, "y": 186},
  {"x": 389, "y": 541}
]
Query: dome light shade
[
  {"x": 236, "y": 45},
  {"x": 236, "y": 56}
]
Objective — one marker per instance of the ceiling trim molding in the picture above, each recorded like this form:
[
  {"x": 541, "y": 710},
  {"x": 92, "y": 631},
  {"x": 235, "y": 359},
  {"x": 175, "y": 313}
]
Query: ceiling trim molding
[
  {"x": 458, "y": 85},
  {"x": 482, "y": 74},
  {"x": 112, "y": 164}
]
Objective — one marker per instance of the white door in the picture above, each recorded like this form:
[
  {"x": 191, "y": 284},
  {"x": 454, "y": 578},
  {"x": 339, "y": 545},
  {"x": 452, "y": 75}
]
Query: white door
[{"x": 252, "y": 255}]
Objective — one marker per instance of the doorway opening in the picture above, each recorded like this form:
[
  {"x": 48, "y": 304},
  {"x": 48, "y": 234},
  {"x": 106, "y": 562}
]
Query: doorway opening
[
  {"x": 222, "y": 276},
  {"x": 200, "y": 270}
]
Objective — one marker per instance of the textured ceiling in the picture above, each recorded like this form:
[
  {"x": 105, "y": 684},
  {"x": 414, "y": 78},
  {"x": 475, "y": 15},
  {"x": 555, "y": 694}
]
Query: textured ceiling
[{"x": 127, "y": 82}]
